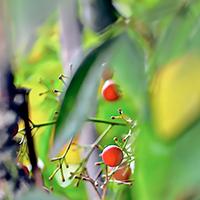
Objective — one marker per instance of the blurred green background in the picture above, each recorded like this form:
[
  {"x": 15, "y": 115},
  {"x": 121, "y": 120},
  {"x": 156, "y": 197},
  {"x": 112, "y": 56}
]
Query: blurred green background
[{"x": 153, "y": 49}]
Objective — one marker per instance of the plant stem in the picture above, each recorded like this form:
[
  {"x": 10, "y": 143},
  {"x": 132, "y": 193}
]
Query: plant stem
[
  {"x": 84, "y": 161},
  {"x": 88, "y": 178},
  {"x": 44, "y": 124},
  {"x": 99, "y": 139},
  {"x": 95, "y": 120},
  {"x": 39, "y": 125},
  {"x": 105, "y": 185},
  {"x": 65, "y": 153}
]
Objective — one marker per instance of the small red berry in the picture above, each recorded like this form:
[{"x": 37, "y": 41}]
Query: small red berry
[
  {"x": 110, "y": 91},
  {"x": 123, "y": 173},
  {"x": 112, "y": 155}
]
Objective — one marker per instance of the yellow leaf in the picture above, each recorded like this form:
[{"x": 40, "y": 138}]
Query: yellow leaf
[
  {"x": 175, "y": 95},
  {"x": 73, "y": 154}
]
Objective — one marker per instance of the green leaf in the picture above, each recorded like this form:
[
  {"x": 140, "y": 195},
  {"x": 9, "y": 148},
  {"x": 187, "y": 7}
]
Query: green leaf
[
  {"x": 129, "y": 67},
  {"x": 176, "y": 40},
  {"x": 153, "y": 159},
  {"x": 167, "y": 171},
  {"x": 162, "y": 9},
  {"x": 184, "y": 170},
  {"x": 80, "y": 96},
  {"x": 127, "y": 59},
  {"x": 119, "y": 191},
  {"x": 129, "y": 73}
]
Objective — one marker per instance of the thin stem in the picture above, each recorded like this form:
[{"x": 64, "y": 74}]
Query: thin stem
[
  {"x": 61, "y": 159},
  {"x": 54, "y": 173},
  {"x": 65, "y": 153},
  {"x": 44, "y": 124},
  {"x": 31, "y": 122},
  {"x": 84, "y": 161},
  {"x": 98, "y": 174},
  {"x": 122, "y": 182},
  {"x": 99, "y": 140},
  {"x": 62, "y": 80},
  {"x": 61, "y": 171},
  {"x": 90, "y": 180},
  {"x": 114, "y": 170},
  {"x": 95, "y": 120},
  {"x": 39, "y": 125},
  {"x": 92, "y": 183},
  {"x": 105, "y": 185}
]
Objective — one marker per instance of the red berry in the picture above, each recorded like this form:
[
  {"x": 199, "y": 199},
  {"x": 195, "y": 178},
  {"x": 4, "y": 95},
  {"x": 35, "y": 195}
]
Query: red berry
[
  {"x": 123, "y": 173},
  {"x": 110, "y": 91},
  {"x": 112, "y": 155}
]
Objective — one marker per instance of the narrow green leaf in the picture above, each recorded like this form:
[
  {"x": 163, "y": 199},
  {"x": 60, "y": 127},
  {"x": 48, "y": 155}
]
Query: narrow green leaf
[
  {"x": 126, "y": 58},
  {"x": 80, "y": 96}
]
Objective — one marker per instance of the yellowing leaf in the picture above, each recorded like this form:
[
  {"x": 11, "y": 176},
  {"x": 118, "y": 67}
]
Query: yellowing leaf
[
  {"x": 175, "y": 95},
  {"x": 73, "y": 154},
  {"x": 35, "y": 57}
]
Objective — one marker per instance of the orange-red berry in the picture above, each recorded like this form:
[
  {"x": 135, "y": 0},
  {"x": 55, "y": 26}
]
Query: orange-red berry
[
  {"x": 110, "y": 91},
  {"x": 123, "y": 173},
  {"x": 112, "y": 155}
]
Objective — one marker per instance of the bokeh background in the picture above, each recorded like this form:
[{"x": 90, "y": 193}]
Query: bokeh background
[{"x": 152, "y": 47}]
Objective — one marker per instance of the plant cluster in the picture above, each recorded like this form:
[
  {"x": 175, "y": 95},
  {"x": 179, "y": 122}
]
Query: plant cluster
[{"x": 117, "y": 160}]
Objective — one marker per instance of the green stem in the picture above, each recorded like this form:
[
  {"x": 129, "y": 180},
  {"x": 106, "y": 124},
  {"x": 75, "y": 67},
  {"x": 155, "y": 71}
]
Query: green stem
[
  {"x": 65, "y": 153},
  {"x": 84, "y": 161},
  {"x": 44, "y": 124},
  {"x": 97, "y": 142},
  {"x": 39, "y": 125},
  {"x": 95, "y": 120}
]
